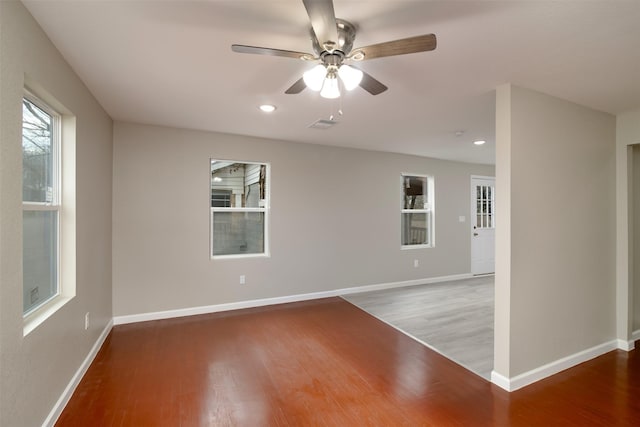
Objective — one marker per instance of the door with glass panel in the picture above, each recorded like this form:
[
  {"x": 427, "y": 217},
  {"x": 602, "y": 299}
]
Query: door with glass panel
[{"x": 483, "y": 223}]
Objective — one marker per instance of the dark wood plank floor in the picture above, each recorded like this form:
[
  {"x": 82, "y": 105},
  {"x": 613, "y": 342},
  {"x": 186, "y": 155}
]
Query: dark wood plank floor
[{"x": 324, "y": 363}]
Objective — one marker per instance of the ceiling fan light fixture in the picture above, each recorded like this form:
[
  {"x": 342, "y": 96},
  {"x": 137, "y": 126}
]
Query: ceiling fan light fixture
[
  {"x": 314, "y": 78},
  {"x": 351, "y": 77},
  {"x": 330, "y": 87}
]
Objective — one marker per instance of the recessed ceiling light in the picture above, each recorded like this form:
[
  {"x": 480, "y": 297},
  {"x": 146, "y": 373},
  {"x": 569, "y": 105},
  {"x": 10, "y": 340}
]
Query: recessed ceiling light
[
  {"x": 479, "y": 142},
  {"x": 268, "y": 108}
]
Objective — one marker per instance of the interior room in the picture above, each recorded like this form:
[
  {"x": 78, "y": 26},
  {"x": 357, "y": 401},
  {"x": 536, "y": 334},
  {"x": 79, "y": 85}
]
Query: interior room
[{"x": 171, "y": 167}]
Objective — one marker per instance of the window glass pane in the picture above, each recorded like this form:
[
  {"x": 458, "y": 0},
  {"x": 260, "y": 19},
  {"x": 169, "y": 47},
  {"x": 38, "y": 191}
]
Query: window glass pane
[
  {"x": 245, "y": 183},
  {"x": 414, "y": 189},
  {"x": 37, "y": 154},
  {"x": 237, "y": 233},
  {"x": 414, "y": 229},
  {"x": 40, "y": 257}
]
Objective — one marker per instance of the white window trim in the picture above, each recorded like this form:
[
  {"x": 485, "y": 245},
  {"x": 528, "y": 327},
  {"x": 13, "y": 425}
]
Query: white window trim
[
  {"x": 265, "y": 209},
  {"x": 63, "y": 202},
  {"x": 429, "y": 211}
]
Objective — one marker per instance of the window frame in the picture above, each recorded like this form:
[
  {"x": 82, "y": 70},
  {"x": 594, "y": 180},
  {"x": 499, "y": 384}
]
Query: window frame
[
  {"x": 55, "y": 205},
  {"x": 65, "y": 199},
  {"x": 429, "y": 211},
  {"x": 264, "y": 209}
]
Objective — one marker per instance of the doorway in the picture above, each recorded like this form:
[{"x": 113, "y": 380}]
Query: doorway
[{"x": 483, "y": 222}]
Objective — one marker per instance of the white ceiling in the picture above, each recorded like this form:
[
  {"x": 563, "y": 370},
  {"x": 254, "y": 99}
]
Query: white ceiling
[{"x": 170, "y": 63}]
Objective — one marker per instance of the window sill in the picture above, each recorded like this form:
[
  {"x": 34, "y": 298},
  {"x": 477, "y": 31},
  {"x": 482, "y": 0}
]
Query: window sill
[
  {"x": 35, "y": 319},
  {"x": 409, "y": 247},
  {"x": 239, "y": 256}
]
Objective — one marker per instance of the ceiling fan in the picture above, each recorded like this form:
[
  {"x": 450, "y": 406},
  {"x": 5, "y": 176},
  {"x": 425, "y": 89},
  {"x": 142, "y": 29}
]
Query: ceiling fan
[{"x": 332, "y": 41}]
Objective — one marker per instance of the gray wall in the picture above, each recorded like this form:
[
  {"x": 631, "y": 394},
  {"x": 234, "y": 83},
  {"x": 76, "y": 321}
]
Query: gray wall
[
  {"x": 34, "y": 370},
  {"x": 557, "y": 295},
  {"x": 335, "y": 220},
  {"x": 636, "y": 236},
  {"x": 627, "y": 302}
]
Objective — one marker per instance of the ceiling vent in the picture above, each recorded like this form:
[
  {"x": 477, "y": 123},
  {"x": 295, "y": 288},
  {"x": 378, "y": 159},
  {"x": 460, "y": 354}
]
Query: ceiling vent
[{"x": 322, "y": 124}]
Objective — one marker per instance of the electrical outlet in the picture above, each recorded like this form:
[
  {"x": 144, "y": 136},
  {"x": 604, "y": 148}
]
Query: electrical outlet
[
  {"x": 86, "y": 321},
  {"x": 416, "y": 263},
  {"x": 242, "y": 279}
]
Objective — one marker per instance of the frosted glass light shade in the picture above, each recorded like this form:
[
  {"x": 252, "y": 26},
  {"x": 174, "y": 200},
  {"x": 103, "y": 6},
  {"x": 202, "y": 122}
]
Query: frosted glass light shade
[
  {"x": 350, "y": 76},
  {"x": 314, "y": 78},
  {"x": 330, "y": 87}
]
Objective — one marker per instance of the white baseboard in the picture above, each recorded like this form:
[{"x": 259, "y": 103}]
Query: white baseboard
[
  {"x": 530, "y": 377},
  {"x": 168, "y": 314},
  {"x": 626, "y": 345},
  {"x": 75, "y": 380},
  {"x": 501, "y": 381},
  {"x": 630, "y": 344}
]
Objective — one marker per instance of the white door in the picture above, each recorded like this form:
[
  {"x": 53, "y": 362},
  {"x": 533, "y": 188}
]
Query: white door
[{"x": 483, "y": 222}]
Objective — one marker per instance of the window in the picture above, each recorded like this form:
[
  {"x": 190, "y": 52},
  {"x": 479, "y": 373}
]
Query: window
[
  {"x": 41, "y": 203},
  {"x": 485, "y": 210},
  {"x": 239, "y": 208},
  {"x": 417, "y": 211}
]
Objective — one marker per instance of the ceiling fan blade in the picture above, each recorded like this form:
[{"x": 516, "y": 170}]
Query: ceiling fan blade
[
  {"x": 297, "y": 87},
  {"x": 371, "y": 85},
  {"x": 323, "y": 22},
  {"x": 239, "y": 48},
  {"x": 416, "y": 44}
]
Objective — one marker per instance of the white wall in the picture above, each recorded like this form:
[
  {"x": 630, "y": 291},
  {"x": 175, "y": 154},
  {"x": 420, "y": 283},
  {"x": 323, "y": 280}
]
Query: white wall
[
  {"x": 335, "y": 220},
  {"x": 34, "y": 370},
  {"x": 557, "y": 295}
]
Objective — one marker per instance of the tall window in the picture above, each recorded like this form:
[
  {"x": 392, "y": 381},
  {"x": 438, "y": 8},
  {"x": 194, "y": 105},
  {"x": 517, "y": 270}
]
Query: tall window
[
  {"x": 239, "y": 208},
  {"x": 41, "y": 203},
  {"x": 417, "y": 213}
]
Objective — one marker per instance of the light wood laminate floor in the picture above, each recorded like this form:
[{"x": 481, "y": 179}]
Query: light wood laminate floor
[{"x": 454, "y": 318}]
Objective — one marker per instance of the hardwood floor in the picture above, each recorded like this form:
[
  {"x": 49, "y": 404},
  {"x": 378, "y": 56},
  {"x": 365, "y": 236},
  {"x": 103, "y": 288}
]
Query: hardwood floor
[
  {"x": 454, "y": 318},
  {"x": 324, "y": 363}
]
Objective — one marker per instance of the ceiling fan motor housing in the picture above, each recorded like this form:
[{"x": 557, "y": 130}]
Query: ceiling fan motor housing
[{"x": 344, "y": 44}]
